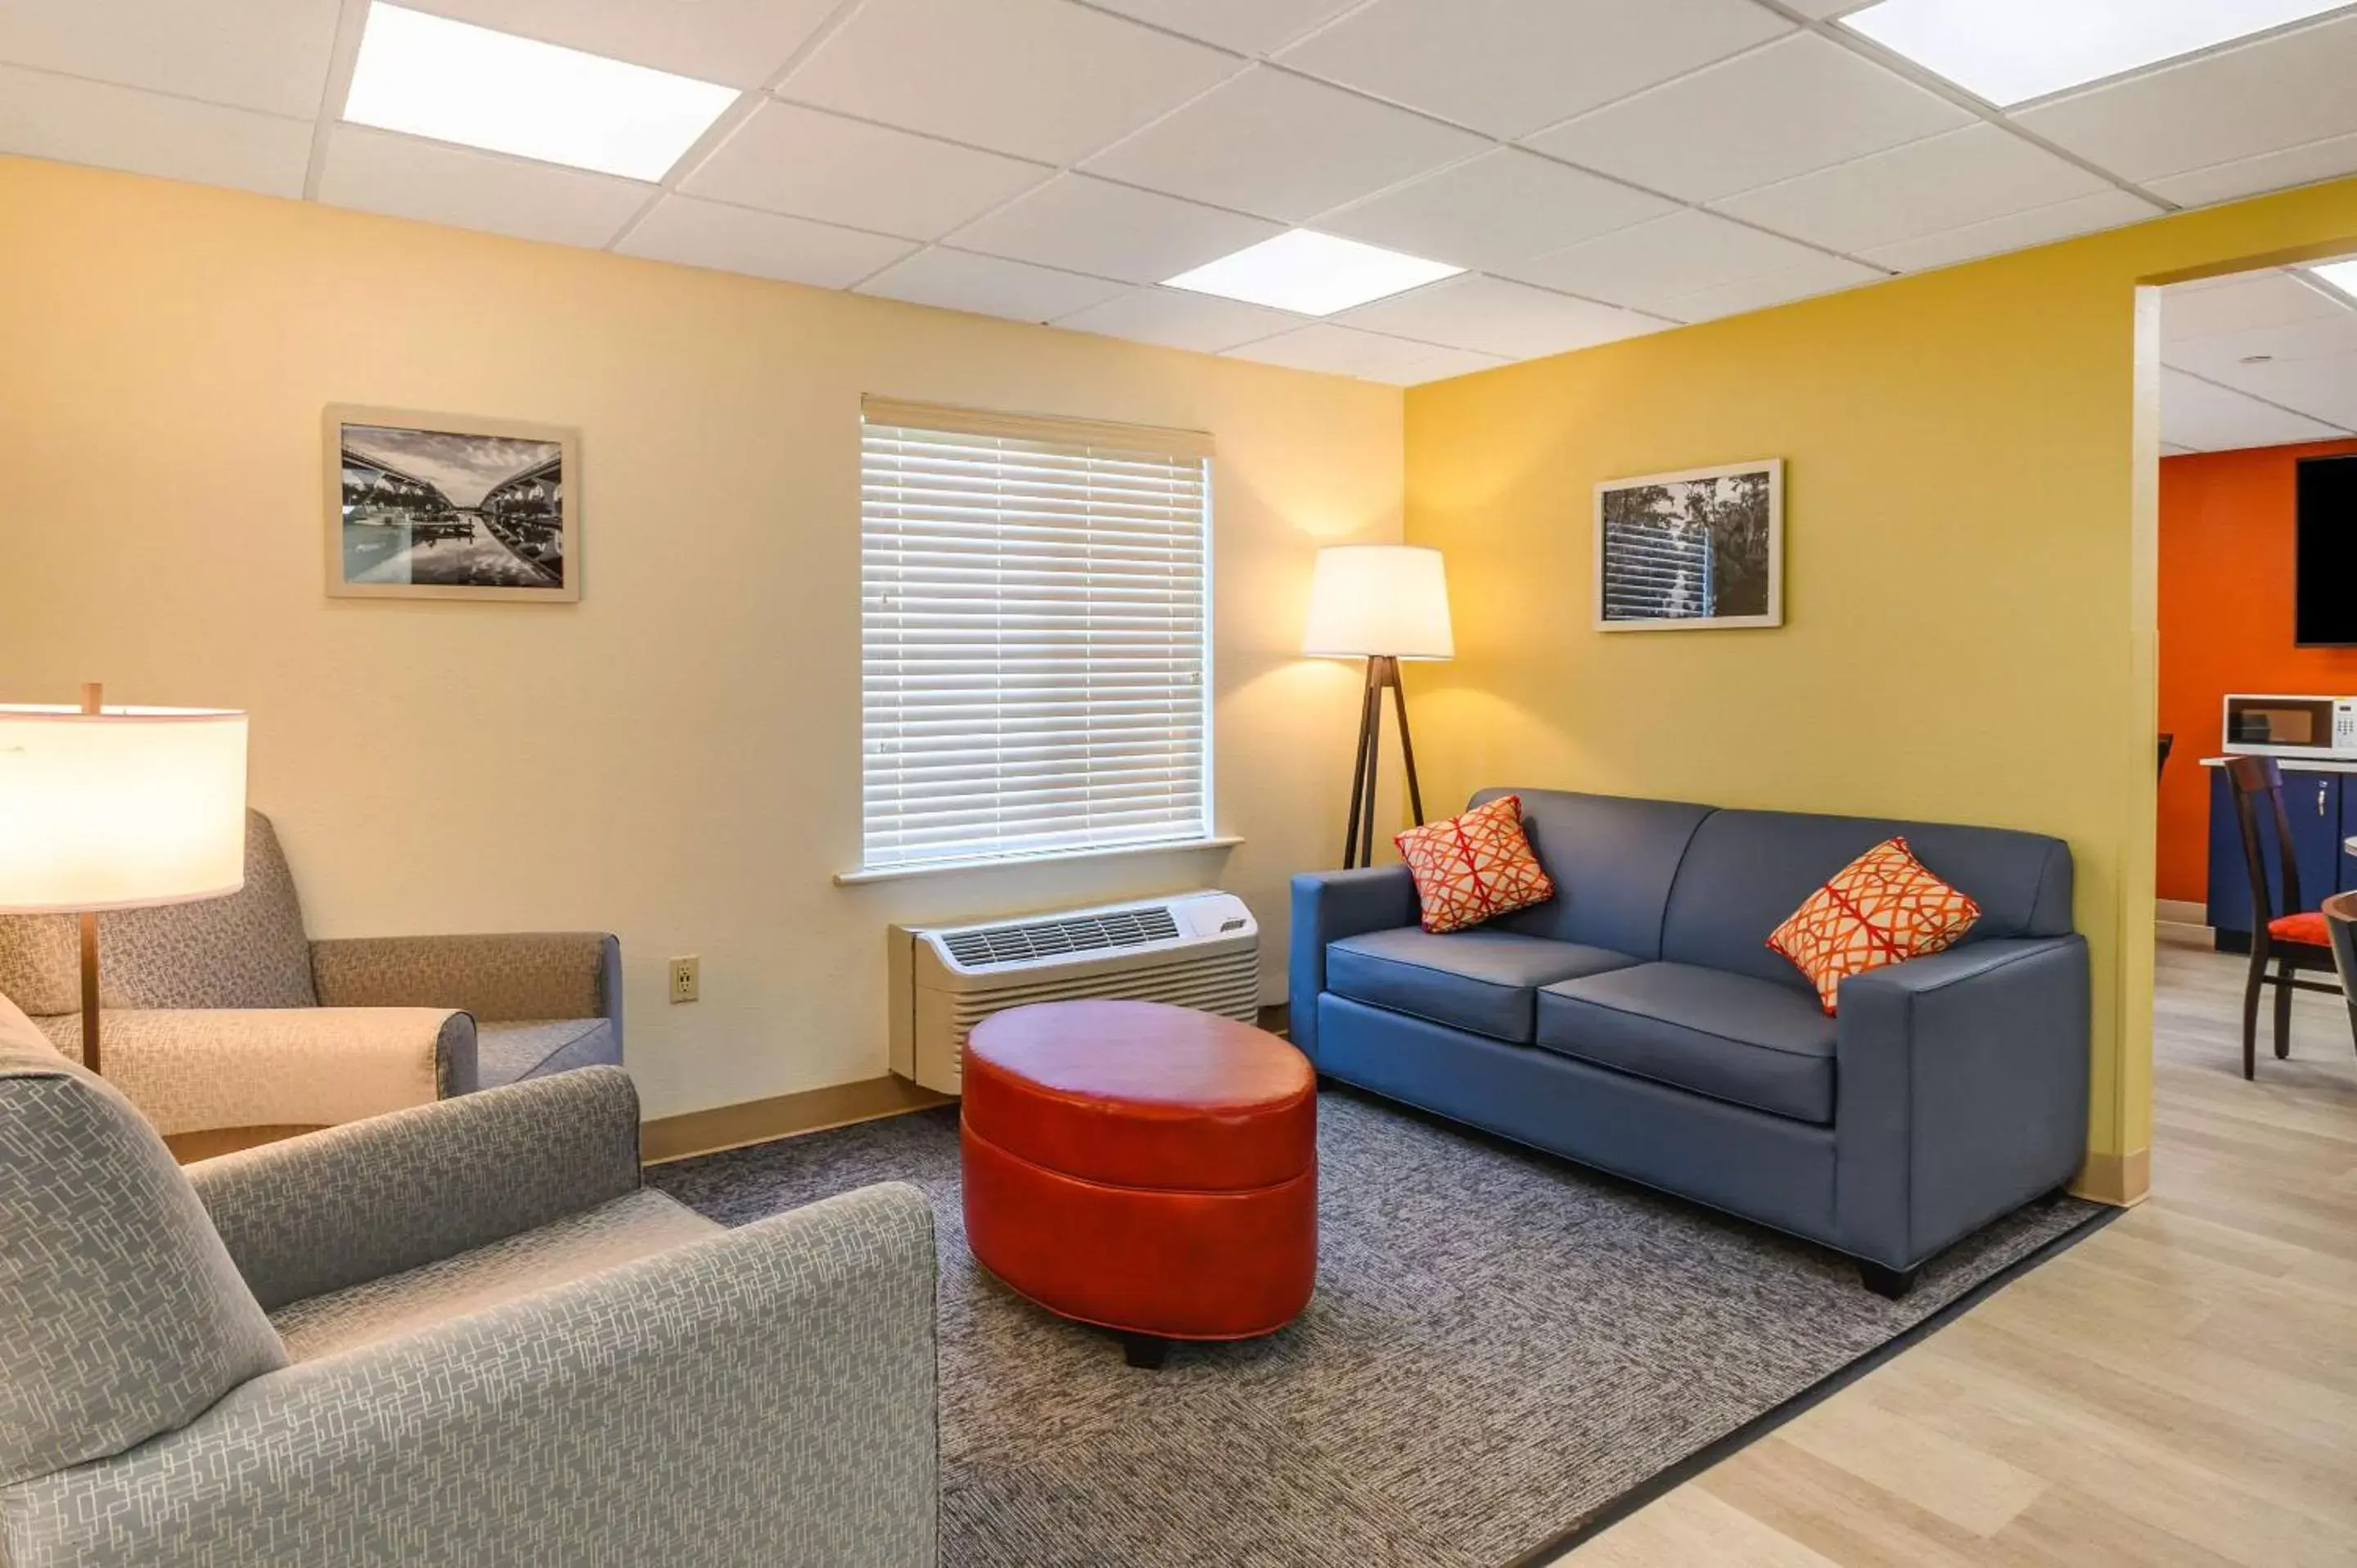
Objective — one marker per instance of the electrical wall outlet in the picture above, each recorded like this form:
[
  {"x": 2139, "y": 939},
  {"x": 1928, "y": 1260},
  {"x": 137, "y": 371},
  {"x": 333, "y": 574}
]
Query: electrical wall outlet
[{"x": 686, "y": 979}]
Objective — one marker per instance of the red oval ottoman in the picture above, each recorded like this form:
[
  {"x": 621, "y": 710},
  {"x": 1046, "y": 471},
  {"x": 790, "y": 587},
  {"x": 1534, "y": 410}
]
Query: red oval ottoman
[{"x": 1148, "y": 1169}]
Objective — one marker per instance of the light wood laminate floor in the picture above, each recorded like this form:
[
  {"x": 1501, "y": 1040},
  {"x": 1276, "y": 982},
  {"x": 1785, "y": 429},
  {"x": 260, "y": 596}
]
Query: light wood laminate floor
[{"x": 2178, "y": 1391}]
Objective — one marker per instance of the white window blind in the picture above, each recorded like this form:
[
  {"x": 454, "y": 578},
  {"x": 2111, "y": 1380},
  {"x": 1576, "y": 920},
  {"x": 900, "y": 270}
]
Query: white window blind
[{"x": 1033, "y": 635}]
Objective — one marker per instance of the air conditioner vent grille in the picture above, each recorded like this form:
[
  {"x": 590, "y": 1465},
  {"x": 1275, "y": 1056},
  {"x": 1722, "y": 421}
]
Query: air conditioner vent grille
[{"x": 988, "y": 946}]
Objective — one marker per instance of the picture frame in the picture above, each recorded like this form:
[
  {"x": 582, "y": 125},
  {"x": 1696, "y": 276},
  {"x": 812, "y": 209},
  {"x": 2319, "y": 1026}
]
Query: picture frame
[
  {"x": 434, "y": 506},
  {"x": 1702, "y": 548}
]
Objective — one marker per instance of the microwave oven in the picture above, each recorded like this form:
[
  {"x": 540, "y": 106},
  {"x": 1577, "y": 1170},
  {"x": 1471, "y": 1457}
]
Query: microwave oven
[{"x": 2266, "y": 725}]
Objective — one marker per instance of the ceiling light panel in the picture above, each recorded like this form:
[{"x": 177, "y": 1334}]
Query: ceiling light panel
[
  {"x": 1311, "y": 273},
  {"x": 2341, "y": 275},
  {"x": 450, "y": 82},
  {"x": 2009, "y": 51}
]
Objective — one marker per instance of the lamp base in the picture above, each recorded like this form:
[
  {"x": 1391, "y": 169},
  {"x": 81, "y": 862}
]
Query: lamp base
[{"x": 1359, "y": 838}]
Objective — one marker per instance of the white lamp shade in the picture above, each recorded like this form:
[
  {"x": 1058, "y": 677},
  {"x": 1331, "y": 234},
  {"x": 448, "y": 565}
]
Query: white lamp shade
[
  {"x": 118, "y": 810},
  {"x": 1379, "y": 599}
]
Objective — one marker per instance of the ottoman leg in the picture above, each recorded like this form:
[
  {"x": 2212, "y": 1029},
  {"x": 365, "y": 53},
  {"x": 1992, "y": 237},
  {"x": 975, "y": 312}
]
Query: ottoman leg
[{"x": 1146, "y": 1350}]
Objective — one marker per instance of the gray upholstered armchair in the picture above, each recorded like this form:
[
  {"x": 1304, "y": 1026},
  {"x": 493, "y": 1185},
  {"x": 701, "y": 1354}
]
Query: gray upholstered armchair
[
  {"x": 458, "y": 1333},
  {"x": 227, "y": 1025}
]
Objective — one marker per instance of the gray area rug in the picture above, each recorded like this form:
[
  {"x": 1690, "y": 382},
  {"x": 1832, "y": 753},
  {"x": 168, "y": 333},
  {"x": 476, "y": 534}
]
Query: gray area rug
[{"x": 1502, "y": 1344}]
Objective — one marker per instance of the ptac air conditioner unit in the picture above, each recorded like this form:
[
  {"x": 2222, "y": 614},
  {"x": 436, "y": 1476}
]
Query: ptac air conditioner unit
[{"x": 1199, "y": 951}]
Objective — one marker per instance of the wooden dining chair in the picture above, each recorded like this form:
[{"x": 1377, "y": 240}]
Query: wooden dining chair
[
  {"x": 2168, "y": 744},
  {"x": 2339, "y": 913},
  {"x": 2296, "y": 940}
]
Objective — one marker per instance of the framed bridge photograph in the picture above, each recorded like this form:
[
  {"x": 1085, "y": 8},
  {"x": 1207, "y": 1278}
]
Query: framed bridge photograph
[
  {"x": 1687, "y": 551},
  {"x": 433, "y": 507}
]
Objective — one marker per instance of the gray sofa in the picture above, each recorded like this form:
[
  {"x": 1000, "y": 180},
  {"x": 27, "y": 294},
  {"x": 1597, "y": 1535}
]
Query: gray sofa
[
  {"x": 225, "y": 1022},
  {"x": 1638, "y": 1022},
  {"x": 456, "y": 1334}
]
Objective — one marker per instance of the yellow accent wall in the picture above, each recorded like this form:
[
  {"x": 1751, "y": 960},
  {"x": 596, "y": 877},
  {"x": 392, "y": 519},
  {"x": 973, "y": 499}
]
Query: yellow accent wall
[
  {"x": 1969, "y": 565},
  {"x": 676, "y": 759}
]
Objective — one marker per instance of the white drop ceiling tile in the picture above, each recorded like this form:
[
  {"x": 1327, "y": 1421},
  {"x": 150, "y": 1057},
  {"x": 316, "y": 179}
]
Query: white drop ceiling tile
[
  {"x": 2323, "y": 387},
  {"x": 2171, "y": 449},
  {"x": 740, "y": 43},
  {"x": 762, "y": 244},
  {"x": 1284, "y": 147},
  {"x": 809, "y": 163},
  {"x": 2242, "y": 303},
  {"x": 2328, "y": 159},
  {"x": 1509, "y": 67},
  {"x": 1818, "y": 10},
  {"x": 1086, "y": 225},
  {"x": 1802, "y": 103},
  {"x": 1038, "y": 78},
  {"x": 1176, "y": 319},
  {"x": 1503, "y": 206},
  {"x": 2231, "y": 356},
  {"x": 1820, "y": 274},
  {"x": 270, "y": 55},
  {"x": 2212, "y": 419},
  {"x": 1249, "y": 26},
  {"x": 78, "y": 121},
  {"x": 989, "y": 285},
  {"x": 2015, "y": 231},
  {"x": 1492, "y": 316},
  {"x": 1925, "y": 188},
  {"x": 1650, "y": 265},
  {"x": 377, "y": 171},
  {"x": 2287, "y": 91},
  {"x": 1370, "y": 355}
]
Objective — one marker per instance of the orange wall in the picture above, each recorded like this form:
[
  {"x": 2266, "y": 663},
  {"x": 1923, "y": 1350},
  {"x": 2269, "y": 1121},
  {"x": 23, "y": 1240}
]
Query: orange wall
[{"x": 2226, "y": 626}]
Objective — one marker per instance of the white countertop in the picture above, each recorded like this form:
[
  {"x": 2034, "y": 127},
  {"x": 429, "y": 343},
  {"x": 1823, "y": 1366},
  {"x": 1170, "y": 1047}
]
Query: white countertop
[{"x": 2296, "y": 765}]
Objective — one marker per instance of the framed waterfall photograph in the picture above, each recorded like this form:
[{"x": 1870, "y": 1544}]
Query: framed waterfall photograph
[
  {"x": 435, "y": 507},
  {"x": 1684, "y": 551}
]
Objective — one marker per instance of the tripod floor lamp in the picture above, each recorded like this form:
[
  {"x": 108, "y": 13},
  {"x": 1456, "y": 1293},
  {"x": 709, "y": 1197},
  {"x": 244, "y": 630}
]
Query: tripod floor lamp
[
  {"x": 1382, "y": 603},
  {"x": 117, "y": 808}
]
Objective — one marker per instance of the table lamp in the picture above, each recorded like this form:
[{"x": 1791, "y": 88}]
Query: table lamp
[
  {"x": 117, "y": 808},
  {"x": 1383, "y": 602}
]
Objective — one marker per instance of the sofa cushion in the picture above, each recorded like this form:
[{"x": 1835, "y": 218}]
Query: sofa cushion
[
  {"x": 1473, "y": 867},
  {"x": 125, "y": 1316},
  {"x": 1611, "y": 859},
  {"x": 1746, "y": 871},
  {"x": 509, "y": 1053},
  {"x": 1730, "y": 1036},
  {"x": 1483, "y": 980}
]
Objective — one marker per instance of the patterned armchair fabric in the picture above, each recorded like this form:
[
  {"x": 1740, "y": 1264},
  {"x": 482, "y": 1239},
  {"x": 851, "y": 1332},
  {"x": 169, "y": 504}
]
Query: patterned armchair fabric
[
  {"x": 223, "y": 1015},
  {"x": 552, "y": 1367}
]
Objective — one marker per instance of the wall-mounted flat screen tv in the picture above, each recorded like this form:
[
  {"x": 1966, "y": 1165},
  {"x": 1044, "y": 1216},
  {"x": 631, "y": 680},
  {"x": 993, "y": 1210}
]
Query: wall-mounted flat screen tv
[{"x": 2325, "y": 589}]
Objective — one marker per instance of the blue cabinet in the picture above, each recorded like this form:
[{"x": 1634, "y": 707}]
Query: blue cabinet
[{"x": 2322, "y": 813}]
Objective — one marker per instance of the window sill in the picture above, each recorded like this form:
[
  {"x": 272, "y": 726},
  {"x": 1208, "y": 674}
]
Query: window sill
[{"x": 1009, "y": 863}]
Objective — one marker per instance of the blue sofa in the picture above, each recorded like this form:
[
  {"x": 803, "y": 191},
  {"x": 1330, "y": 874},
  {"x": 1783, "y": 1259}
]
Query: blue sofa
[{"x": 1638, "y": 1022}]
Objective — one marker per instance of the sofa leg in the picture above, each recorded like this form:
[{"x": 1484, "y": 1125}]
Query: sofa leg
[
  {"x": 1891, "y": 1284},
  {"x": 1146, "y": 1350}
]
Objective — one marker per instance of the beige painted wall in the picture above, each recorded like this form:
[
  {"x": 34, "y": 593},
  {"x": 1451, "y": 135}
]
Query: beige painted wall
[
  {"x": 676, "y": 757},
  {"x": 1969, "y": 570}
]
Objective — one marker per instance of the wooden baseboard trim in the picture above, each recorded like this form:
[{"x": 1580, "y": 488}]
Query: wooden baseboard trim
[
  {"x": 669, "y": 1138},
  {"x": 189, "y": 1147},
  {"x": 2121, "y": 1180}
]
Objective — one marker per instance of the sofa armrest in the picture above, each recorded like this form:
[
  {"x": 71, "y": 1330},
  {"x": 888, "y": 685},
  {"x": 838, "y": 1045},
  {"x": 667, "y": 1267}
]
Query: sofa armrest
[
  {"x": 197, "y": 1069},
  {"x": 1327, "y": 907},
  {"x": 1962, "y": 1091},
  {"x": 358, "y": 1202},
  {"x": 527, "y": 976},
  {"x": 765, "y": 1395}
]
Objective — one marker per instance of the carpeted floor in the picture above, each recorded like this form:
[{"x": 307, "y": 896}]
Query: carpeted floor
[{"x": 1500, "y": 1345}]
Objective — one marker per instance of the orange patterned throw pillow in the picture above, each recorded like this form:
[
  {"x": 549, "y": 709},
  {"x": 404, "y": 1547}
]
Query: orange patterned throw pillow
[
  {"x": 1473, "y": 867},
  {"x": 1883, "y": 908}
]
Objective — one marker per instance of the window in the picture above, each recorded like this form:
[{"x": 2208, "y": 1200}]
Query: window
[{"x": 1033, "y": 636}]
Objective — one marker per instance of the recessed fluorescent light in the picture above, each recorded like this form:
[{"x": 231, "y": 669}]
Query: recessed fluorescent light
[
  {"x": 2341, "y": 275},
  {"x": 432, "y": 77},
  {"x": 1311, "y": 273},
  {"x": 2012, "y": 51}
]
